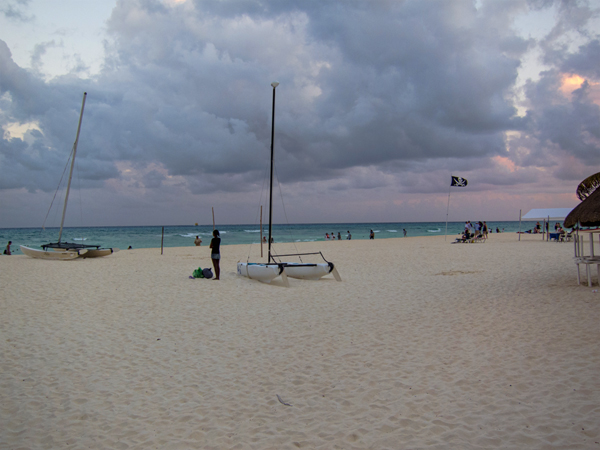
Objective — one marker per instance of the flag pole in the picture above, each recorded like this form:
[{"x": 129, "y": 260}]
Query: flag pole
[
  {"x": 448, "y": 208},
  {"x": 520, "y": 211}
]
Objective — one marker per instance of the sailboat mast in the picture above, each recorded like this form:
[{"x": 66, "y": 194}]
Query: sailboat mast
[
  {"x": 274, "y": 84},
  {"x": 62, "y": 222}
]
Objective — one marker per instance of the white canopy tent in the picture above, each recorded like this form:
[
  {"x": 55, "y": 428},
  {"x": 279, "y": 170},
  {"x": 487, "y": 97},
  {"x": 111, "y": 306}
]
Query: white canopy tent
[
  {"x": 552, "y": 213},
  {"x": 545, "y": 214}
]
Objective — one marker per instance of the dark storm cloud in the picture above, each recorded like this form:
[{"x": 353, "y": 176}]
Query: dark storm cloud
[
  {"x": 585, "y": 61},
  {"x": 393, "y": 87},
  {"x": 562, "y": 122}
]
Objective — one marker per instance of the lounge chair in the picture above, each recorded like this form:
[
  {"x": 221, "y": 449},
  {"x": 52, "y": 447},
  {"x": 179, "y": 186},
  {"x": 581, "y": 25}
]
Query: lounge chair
[{"x": 464, "y": 240}]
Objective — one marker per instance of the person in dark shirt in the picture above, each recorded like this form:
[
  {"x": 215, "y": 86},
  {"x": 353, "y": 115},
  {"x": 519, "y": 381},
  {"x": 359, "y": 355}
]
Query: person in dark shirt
[{"x": 215, "y": 253}]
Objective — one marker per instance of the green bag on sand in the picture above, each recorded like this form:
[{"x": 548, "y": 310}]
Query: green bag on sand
[{"x": 198, "y": 273}]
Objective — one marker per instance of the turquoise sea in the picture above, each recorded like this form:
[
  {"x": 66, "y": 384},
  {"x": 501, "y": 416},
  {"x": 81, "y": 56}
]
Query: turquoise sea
[{"x": 182, "y": 236}]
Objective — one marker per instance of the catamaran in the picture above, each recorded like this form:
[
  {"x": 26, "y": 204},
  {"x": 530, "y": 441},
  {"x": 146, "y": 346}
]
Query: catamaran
[
  {"x": 266, "y": 272},
  {"x": 68, "y": 250}
]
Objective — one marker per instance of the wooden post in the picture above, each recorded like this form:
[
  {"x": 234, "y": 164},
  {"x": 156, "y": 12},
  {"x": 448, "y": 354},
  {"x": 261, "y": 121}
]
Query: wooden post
[
  {"x": 520, "y": 211},
  {"x": 261, "y": 248},
  {"x": 162, "y": 239},
  {"x": 577, "y": 240},
  {"x": 544, "y": 230},
  {"x": 213, "y": 211}
]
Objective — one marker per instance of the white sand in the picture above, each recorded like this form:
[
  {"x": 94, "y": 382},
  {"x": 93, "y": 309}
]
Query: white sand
[{"x": 423, "y": 345}]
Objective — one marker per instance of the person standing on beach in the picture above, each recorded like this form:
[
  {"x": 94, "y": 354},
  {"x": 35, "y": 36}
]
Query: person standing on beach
[
  {"x": 198, "y": 241},
  {"x": 339, "y": 236},
  {"x": 404, "y": 231},
  {"x": 349, "y": 235},
  {"x": 215, "y": 253},
  {"x": 371, "y": 235},
  {"x": 7, "y": 251}
]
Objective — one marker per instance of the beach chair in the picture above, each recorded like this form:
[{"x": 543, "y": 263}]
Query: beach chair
[{"x": 464, "y": 240}]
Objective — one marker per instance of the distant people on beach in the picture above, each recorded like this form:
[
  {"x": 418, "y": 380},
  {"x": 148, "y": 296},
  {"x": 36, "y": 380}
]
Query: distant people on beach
[
  {"x": 467, "y": 234},
  {"x": 326, "y": 236},
  {"x": 469, "y": 229},
  {"x": 198, "y": 241},
  {"x": 404, "y": 231},
  {"x": 339, "y": 236},
  {"x": 371, "y": 235},
  {"x": 130, "y": 248},
  {"x": 497, "y": 230},
  {"x": 332, "y": 236},
  {"x": 485, "y": 230},
  {"x": 265, "y": 239},
  {"x": 479, "y": 227},
  {"x": 7, "y": 250},
  {"x": 215, "y": 253},
  {"x": 349, "y": 235}
]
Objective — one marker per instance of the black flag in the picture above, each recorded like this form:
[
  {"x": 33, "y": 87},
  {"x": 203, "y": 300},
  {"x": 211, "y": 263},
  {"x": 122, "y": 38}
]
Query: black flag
[{"x": 459, "y": 181}]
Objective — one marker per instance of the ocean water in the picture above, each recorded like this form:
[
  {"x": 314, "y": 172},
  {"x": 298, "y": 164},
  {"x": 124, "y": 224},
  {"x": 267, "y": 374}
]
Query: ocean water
[{"x": 182, "y": 236}]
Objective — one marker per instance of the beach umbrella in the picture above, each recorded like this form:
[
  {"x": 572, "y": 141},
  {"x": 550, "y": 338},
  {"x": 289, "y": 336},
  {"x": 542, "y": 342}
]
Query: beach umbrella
[{"x": 587, "y": 213}]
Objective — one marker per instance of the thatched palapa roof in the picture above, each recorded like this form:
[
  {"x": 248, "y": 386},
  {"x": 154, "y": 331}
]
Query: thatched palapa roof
[{"x": 587, "y": 213}]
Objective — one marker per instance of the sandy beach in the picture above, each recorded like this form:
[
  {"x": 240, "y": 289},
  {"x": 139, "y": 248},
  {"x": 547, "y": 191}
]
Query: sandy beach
[{"x": 423, "y": 345}]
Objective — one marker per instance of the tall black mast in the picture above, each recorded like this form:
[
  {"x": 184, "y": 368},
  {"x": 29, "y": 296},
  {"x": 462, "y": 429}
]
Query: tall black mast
[{"x": 274, "y": 84}]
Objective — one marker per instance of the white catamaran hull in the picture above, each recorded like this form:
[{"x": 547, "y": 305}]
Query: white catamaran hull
[
  {"x": 96, "y": 253},
  {"x": 50, "y": 254},
  {"x": 90, "y": 252},
  {"x": 310, "y": 271},
  {"x": 262, "y": 272}
]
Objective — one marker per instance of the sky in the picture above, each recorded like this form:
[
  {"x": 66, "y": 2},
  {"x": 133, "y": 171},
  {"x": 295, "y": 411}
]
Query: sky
[{"x": 379, "y": 103}]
